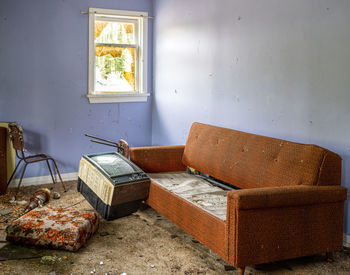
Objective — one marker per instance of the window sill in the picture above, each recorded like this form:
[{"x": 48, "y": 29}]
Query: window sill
[{"x": 122, "y": 97}]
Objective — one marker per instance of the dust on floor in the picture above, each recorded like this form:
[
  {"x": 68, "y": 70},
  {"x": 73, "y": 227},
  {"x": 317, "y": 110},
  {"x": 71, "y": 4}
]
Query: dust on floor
[{"x": 142, "y": 243}]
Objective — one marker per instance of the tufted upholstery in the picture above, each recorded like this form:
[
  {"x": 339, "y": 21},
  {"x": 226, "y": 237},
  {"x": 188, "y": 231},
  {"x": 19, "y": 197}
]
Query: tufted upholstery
[
  {"x": 252, "y": 161},
  {"x": 290, "y": 203}
]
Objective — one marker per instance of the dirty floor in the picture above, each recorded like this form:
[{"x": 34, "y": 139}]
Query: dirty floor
[{"x": 142, "y": 243}]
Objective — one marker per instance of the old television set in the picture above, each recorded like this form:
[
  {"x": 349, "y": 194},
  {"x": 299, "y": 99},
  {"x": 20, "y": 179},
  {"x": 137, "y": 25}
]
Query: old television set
[{"x": 112, "y": 184}]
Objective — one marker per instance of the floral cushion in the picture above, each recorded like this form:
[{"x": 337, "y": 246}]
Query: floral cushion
[{"x": 54, "y": 228}]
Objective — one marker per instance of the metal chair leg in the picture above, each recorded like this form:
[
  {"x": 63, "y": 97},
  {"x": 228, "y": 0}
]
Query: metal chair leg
[
  {"x": 48, "y": 165},
  {"x": 59, "y": 175},
  {"x": 20, "y": 180},
  {"x": 13, "y": 173}
]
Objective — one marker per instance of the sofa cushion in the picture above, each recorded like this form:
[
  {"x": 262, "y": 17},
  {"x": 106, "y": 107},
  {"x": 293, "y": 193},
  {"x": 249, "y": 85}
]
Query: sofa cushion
[
  {"x": 252, "y": 161},
  {"x": 54, "y": 228},
  {"x": 198, "y": 191}
]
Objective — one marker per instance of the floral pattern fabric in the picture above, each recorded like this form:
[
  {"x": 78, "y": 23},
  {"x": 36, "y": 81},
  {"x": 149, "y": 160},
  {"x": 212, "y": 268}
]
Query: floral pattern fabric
[{"x": 55, "y": 228}]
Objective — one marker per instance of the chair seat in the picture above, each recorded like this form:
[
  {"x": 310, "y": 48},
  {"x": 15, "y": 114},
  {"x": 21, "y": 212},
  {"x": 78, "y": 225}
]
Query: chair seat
[{"x": 53, "y": 228}]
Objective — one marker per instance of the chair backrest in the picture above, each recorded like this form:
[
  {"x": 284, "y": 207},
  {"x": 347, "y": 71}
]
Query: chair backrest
[{"x": 16, "y": 136}]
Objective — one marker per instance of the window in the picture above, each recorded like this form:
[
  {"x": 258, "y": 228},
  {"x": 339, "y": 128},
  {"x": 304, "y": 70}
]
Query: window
[{"x": 117, "y": 56}]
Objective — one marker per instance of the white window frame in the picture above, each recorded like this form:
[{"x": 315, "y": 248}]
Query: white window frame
[{"x": 141, "y": 94}]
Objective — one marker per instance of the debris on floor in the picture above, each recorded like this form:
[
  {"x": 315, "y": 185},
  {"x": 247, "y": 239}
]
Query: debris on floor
[
  {"x": 130, "y": 245},
  {"x": 50, "y": 260},
  {"x": 56, "y": 195},
  {"x": 13, "y": 201},
  {"x": 6, "y": 212},
  {"x": 39, "y": 198},
  {"x": 229, "y": 267},
  {"x": 18, "y": 252}
]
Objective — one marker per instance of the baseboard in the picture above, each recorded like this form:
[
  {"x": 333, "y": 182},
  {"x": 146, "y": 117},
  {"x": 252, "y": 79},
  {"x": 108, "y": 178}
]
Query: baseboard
[
  {"x": 43, "y": 179},
  {"x": 346, "y": 240}
]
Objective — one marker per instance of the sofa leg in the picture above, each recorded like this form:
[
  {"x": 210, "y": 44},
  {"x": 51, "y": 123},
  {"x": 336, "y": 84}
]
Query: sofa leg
[
  {"x": 241, "y": 270},
  {"x": 329, "y": 256}
]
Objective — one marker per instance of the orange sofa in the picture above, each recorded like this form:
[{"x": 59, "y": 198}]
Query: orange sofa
[{"x": 290, "y": 203}]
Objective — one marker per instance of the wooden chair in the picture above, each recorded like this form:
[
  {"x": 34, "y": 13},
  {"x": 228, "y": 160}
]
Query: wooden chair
[{"x": 16, "y": 136}]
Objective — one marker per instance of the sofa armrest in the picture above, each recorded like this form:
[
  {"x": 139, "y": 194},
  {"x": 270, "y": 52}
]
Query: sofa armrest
[
  {"x": 286, "y": 196},
  {"x": 155, "y": 159},
  {"x": 277, "y": 223}
]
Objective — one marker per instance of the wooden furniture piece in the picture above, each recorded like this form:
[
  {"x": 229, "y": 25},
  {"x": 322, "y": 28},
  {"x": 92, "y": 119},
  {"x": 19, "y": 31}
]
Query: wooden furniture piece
[
  {"x": 290, "y": 203},
  {"x": 3, "y": 160},
  {"x": 16, "y": 135}
]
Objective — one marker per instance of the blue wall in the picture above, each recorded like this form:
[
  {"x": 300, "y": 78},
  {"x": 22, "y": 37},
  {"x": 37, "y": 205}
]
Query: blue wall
[
  {"x": 276, "y": 68},
  {"x": 43, "y": 76}
]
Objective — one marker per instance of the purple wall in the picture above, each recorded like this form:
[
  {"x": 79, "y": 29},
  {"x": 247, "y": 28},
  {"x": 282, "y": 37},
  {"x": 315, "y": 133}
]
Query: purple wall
[
  {"x": 43, "y": 76},
  {"x": 267, "y": 67},
  {"x": 276, "y": 68}
]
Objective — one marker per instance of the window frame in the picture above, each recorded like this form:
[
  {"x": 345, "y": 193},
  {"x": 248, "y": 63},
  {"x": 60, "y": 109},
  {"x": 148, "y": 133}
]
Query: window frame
[{"x": 141, "y": 94}]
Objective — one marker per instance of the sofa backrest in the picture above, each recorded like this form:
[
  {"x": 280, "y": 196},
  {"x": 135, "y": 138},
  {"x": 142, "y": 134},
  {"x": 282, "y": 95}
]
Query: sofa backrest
[{"x": 252, "y": 161}]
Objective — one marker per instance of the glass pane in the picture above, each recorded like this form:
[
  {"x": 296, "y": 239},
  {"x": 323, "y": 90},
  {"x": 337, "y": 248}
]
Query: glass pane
[
  {"x": 114, "y": 32},
  {"x": 115, "y": 69},
  {"x": 113, "y": 165}
]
